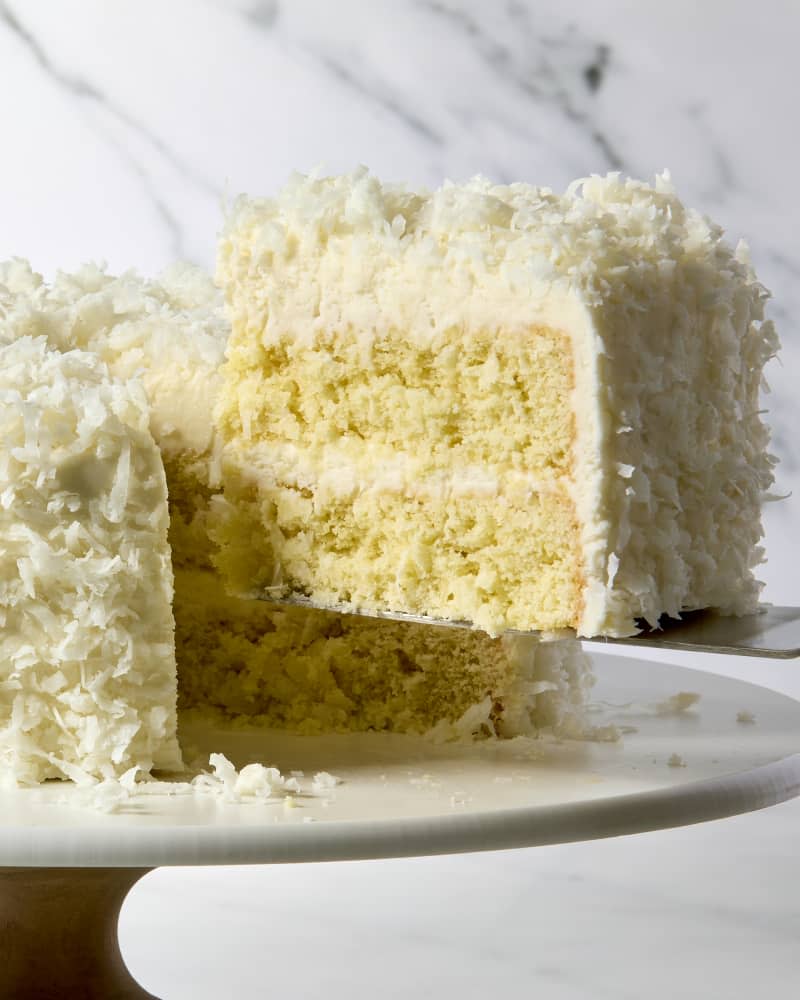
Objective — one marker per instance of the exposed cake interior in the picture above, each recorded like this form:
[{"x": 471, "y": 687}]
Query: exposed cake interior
[
  {"x": 319, "y": 671},
  {"x": 430, "y": 477}
]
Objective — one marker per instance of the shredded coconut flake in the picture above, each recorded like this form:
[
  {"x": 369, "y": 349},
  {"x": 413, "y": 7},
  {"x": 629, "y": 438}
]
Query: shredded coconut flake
[
  {"x": 677, "y": 704},
  {"x": 87, "y": 665},
  {"x": 324, "y": 782}
]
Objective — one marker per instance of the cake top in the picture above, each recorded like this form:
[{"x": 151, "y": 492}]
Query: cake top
[
  {"x": 170, "y": 332},
  {"x": 600, "y": 227}
]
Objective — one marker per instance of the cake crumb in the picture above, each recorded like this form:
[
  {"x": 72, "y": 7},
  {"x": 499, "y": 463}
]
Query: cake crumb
[
  {"x": 676, "y": 761},
  {"x": 254, "y": 783},
  {"x": 676, "y": 704},
  {"x": 745, "y": 717}
]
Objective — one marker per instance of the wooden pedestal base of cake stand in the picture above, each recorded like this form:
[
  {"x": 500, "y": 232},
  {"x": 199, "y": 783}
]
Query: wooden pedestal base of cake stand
[
  {"x": 58, "y": 934},
  {"x": 726, "y": 748}
]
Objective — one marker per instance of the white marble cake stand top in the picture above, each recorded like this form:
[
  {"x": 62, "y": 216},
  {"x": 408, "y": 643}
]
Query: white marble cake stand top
[{"x": 407, "y": 796}]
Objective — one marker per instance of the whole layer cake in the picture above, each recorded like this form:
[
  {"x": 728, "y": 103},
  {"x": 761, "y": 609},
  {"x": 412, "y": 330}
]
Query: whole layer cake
[
  {"x": 492, "y": 403},
  {"x": 160, "y": 345}
]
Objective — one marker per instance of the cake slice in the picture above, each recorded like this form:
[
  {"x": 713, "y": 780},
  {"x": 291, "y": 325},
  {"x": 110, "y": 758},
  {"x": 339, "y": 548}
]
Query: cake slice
[
  {"x": 498, "y": 404},
  {"x": 87, "y": 660}
]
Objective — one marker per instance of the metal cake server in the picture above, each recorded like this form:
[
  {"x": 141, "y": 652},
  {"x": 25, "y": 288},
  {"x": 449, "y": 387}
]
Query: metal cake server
[{"x": 772, "y": 631}]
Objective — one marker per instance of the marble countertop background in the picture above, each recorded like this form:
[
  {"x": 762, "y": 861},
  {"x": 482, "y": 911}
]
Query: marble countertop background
[{"x": 125, "y": 124}]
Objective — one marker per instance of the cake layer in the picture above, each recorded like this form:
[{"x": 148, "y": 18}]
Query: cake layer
[
  {"x": 435, "y": 556},
  {"x": 603, "y": 347},
  {"x": 481, "y": 405},
  {"x": 87, "y": 662},
  {"x": 317, "y": 671}
]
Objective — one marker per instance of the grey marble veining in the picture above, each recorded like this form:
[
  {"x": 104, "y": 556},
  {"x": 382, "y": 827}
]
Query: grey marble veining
[{"x": 83, "y": 91}]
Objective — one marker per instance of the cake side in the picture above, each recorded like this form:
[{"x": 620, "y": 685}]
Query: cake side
[
  {"x": 684, "y": 352},
  {"x": 86, "y": 648},
  {"x": 169, "y": 332}
]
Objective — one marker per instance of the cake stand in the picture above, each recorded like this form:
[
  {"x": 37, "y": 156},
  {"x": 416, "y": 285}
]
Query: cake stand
[{"x": 692, "y": 746}]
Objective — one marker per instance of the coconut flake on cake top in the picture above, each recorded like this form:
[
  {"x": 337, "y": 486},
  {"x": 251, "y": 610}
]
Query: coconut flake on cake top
[{"x": 170, "y": 332}]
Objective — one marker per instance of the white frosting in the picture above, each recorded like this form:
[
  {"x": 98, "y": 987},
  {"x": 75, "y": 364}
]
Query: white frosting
[
  {"x": 170, "y": 332},
  {"x": 87, "y": 661},
  {"x": 335, "y": 473},
  {"x": 670, "y": 461}
]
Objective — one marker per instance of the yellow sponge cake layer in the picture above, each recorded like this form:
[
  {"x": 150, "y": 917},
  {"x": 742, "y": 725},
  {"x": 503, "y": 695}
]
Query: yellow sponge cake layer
[
  {"x": 318, "y": 671},
  {"x": 485, "y": 401},
  {"x": 397, "y": 475},
  {"x": 422, "y": 554}
]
